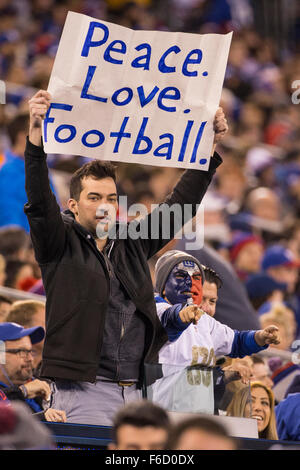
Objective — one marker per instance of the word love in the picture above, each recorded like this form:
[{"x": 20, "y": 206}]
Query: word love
[{"x": 124, "y": 95}]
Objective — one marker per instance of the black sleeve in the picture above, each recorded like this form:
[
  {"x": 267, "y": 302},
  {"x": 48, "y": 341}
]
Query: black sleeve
[
  {"x": 47, "y": 228},
  {"x": 178, "y": 208},
  {"x": 13, "y": 393}
]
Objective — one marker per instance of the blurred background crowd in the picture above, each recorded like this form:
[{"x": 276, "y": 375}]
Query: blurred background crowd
[{"x": 251, "y": 211}]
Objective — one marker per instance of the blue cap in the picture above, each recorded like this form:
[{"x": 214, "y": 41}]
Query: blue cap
[
  {"x": 278, "y": 255},
  {"x": 262, "y": 284},
  {"x": 12, "y": 331}
]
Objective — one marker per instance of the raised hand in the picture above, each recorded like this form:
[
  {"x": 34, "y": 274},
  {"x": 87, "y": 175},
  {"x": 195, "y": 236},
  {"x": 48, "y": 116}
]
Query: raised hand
[
  {"x": 220, "y": 125},
  {"x": 38, "y": 106},
  {"x": 269, "y": 335},
  {"x": 191, "y": 314}
]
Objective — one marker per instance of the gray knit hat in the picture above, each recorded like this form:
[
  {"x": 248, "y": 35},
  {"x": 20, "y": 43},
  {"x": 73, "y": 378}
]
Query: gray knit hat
[{"x": 166, "y": 263}]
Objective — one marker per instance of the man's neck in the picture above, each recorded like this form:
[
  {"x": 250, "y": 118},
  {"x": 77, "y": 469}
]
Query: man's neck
[{"x": 101, "y": 243}]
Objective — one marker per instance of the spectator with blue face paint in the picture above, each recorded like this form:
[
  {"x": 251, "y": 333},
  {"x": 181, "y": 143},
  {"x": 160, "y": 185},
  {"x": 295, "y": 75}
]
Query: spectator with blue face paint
[
  {"x": 178, "y": 278},
  {"x": 197, "y": 337},
  {"x": 184, "y": 280}
]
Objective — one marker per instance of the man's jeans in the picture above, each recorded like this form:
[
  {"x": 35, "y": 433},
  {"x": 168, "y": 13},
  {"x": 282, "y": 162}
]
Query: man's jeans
[{"x": 92, "y": 403}]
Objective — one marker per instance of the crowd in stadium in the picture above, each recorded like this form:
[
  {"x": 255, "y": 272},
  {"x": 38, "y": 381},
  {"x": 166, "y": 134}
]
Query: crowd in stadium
[{"x": 251, "y": 231}]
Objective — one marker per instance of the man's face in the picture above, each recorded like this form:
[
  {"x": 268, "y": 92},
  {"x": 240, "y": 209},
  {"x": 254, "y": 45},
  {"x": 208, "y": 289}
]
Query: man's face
[
  {"x": 24, "y": 272},
  {"x": 97, "y": 206},
  {"x": 261, "y": 374},
  {"x": 198, "y": 439},
  {"x": 184, "y": 282},
  {"x": 140, "y": 438},
  {"x": 249, "y": 257},
  {"x": 209, "y": 299},
  {"x": 19, "y": 369}
]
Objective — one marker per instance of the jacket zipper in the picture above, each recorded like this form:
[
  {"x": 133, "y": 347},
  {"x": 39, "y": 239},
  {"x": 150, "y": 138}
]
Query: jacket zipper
[
  {"x": 119, "y": 345},
  {"x": 123, "y": 282},
  {"x": 107, "y": 271}
]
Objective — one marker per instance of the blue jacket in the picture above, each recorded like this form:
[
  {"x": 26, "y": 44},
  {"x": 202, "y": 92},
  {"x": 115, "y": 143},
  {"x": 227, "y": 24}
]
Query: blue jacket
[
  {"x": 12, "y": 195},
  {"x": 288, "y": 413},
  {"x": 243, "y": 344},
  {"x": 288, "y": 418}
]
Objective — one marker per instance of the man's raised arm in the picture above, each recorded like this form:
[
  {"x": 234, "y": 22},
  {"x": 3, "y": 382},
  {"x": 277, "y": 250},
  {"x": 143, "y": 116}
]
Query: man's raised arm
[
  {"x": 38, "y": 107},
  {"x": 183, "y": 202},
  {"x": 46, "y": 225}
]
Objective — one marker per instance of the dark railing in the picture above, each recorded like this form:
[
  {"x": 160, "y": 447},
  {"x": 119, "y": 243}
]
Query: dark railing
[{"x": 86, "y": 437}]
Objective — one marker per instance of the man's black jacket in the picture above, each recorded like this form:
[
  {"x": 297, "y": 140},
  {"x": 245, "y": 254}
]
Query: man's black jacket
[{"x": 76, "y": 278}]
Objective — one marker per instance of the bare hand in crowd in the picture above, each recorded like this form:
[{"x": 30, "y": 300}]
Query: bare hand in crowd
[
  {"x": 38, "y": 388},
  {"x": 38, "y": 107},
  {"x": 220, "y": 125},
  {"x": 190, "y": 314},
  {"x": 270, "y": 335},
  {"x": 238, "y": 371},
  {"x": 59, "y": 416}
]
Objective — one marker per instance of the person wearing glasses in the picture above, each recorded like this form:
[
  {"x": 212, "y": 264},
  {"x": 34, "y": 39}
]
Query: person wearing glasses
[{"x": 16, "y": 369}]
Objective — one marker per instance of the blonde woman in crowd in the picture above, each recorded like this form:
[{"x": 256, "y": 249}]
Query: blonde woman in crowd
[{"x": 259, "y": 406}]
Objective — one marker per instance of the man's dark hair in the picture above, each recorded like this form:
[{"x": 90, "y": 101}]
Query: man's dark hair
[
  {"x": 18, "y": 124},
  {"x": 256, "y": 359},
  {"x": 201, "y": 423},
  {"x": 12, "y": 240},
  {"x": 211, "y": 276},
  {"x": 5, "y": 300},
  {"x": 257, "y": 302},
  {"x": 140, "y": 414},
  {"x": 95, "y": 169},
  {"x": 13, "y": 267}
]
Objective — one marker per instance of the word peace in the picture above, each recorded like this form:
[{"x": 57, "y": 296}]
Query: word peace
[{"x": 118, "y": 47}]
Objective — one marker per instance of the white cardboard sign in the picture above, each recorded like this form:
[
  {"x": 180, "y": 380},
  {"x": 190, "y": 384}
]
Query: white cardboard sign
[{"x": 146, "y": 97}]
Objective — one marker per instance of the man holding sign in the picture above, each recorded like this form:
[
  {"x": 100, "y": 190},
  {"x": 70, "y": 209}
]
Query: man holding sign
[{"x": 101, "y": 319}]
